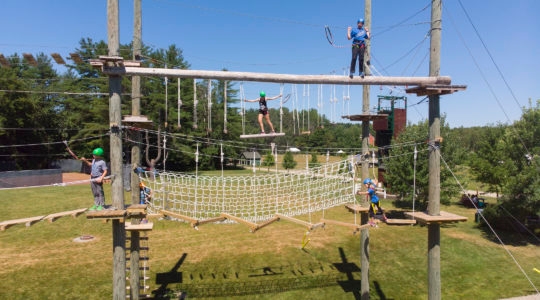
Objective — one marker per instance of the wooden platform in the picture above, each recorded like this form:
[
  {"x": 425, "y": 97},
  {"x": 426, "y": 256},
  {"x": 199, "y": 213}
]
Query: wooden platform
[
  {"x": 106, "y": 214},
  {"x": 112, "y": 61},
  {"x": 357, "y": 208},
  {"x": 444, "y": 217},
  {"x": 435, "y": 89},
  {"x": 137, "y": 121},
  {"x": 27, "y": 221},
  {"x": 74, "y": 213},
  {"x": 139, "y": 227},
  {"x": 261, "y": 135},
  {"x": 366, "y": 117},
  {"x": 136, "y": 211}
]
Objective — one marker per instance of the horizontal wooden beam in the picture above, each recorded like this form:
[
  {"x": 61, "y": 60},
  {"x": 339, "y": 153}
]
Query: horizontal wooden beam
[{"x": 273, "y": 77}]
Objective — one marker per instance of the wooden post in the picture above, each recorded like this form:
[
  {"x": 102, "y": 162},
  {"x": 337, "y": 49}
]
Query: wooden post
[
  {"x": 364, "y": 234},
  {"x": 115, "y": 119},
  {"x": 136, "y": 101},
  {"x": 134, "y": 256},
  {"x": 434, "y": 251}
]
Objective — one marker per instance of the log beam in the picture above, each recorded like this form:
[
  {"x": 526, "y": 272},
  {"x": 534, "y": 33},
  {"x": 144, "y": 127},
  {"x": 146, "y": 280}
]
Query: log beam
[{"x": 113, "y": 67}]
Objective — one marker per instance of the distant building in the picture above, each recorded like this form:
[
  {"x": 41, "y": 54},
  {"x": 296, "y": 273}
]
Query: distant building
[{"x": 248, "y": 157}]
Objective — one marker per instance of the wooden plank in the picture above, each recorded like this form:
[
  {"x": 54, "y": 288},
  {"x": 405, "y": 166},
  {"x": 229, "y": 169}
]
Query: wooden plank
[
  {"x": 211, "y": 220},
  {"x": 58, "y": 58},
  {"x": 310, "y": 226},
  {"x": 366, "y": 117},
  {"x": 106, "y": 214},
  {"x": 262, "y": 135},
  {"x": 357, "y": 208},
  {"x": 266, "y": 223},
  {"x": 194, "y": 222},
  {"x": 400, "y": 221},
  {"x": 436, "y": 89},
  {"x": 443, "y": 217},
  {"x": 139, "y": 227},
  {"x": 253, "y": 226},
  {"x": 355, "y": 227},
  {"x": 191, "y": 220},
  {"x": 27, "y": 221},
  {"x": 137, "y": 211},
  {"x": 74, "y": 213}
]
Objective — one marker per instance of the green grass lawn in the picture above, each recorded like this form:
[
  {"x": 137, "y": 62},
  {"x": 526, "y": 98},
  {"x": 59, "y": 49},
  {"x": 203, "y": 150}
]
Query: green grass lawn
[{"x": 226, "y": 261}]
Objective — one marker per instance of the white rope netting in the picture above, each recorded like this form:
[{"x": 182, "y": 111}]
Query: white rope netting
[{"x": 253, "y": 198}]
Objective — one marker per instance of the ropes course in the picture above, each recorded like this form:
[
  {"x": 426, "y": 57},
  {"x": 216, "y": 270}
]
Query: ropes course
[{"x": 254, "y": 198}]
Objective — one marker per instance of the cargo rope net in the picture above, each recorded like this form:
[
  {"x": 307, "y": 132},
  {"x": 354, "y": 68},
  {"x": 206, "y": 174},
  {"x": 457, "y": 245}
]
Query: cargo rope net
[{"x": 253, "y": 198}]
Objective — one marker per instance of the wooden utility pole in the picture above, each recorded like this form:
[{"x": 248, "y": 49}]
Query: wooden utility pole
[
  {"x": 115, "y": 120},
  {"x": 434, "y": 230},
  {"x": 136, "y": 98},
  {"x": 134, "y": 255},
  {"x": 364, "y": 235}
]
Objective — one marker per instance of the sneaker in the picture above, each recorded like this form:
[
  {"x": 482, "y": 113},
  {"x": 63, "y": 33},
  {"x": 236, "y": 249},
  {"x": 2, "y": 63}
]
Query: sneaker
[
  {"x": 273, "y": 132},
  {"x": 361, "y": 74},
  {"x": 262, "y": 132},
  {"x": 94, "y": 207},
  {"x": 99, "y": 207},
  {"x": 351, "y": 76}
]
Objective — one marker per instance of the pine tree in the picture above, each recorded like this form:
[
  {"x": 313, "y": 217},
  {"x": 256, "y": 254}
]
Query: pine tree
[{"x": 288, "y": 161}]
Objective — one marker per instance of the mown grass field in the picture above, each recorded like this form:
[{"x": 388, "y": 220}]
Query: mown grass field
[{"x": 226, "y": 261}]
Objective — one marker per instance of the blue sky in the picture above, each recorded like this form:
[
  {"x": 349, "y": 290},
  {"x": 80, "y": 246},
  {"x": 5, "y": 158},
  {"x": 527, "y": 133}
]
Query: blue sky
[{"x": 289, "y": 37}]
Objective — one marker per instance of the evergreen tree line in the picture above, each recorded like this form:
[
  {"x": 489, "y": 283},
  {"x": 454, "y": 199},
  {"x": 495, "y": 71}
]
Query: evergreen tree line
[
  {"x": 42, "y": 108},
  {"x": 502, "y": 159}
]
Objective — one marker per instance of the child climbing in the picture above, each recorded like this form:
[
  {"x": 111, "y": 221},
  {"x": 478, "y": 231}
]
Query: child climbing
[{"x": 374, "y": 201}]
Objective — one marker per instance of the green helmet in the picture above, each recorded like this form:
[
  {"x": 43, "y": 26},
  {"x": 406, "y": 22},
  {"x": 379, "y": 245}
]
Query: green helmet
[
  {"x": 262, "y": 94},
  {"x": 98, "y": 152}
]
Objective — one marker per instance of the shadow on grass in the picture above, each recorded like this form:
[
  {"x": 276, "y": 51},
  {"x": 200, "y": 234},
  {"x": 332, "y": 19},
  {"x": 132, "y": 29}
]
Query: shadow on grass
[
  {"x": 348, "y": 268},
  {"x": 164, "y": 279},
  {"x": 515, "y": 234},
  {"x": 263, "y": 280}
]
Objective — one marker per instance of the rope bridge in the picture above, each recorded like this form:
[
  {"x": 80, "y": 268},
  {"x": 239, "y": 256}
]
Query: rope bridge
[{"x": 253, "y": 198}]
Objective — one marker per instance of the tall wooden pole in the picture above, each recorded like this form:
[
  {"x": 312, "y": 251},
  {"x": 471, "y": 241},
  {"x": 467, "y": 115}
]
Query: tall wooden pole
[
  {"x": 136, "y": 99},
  {"x": 115, "y": 119},
  {"x": 434, "y": 236},
  {"x": 135, "y": 247},
  {"x": 364, "y": 235}
]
